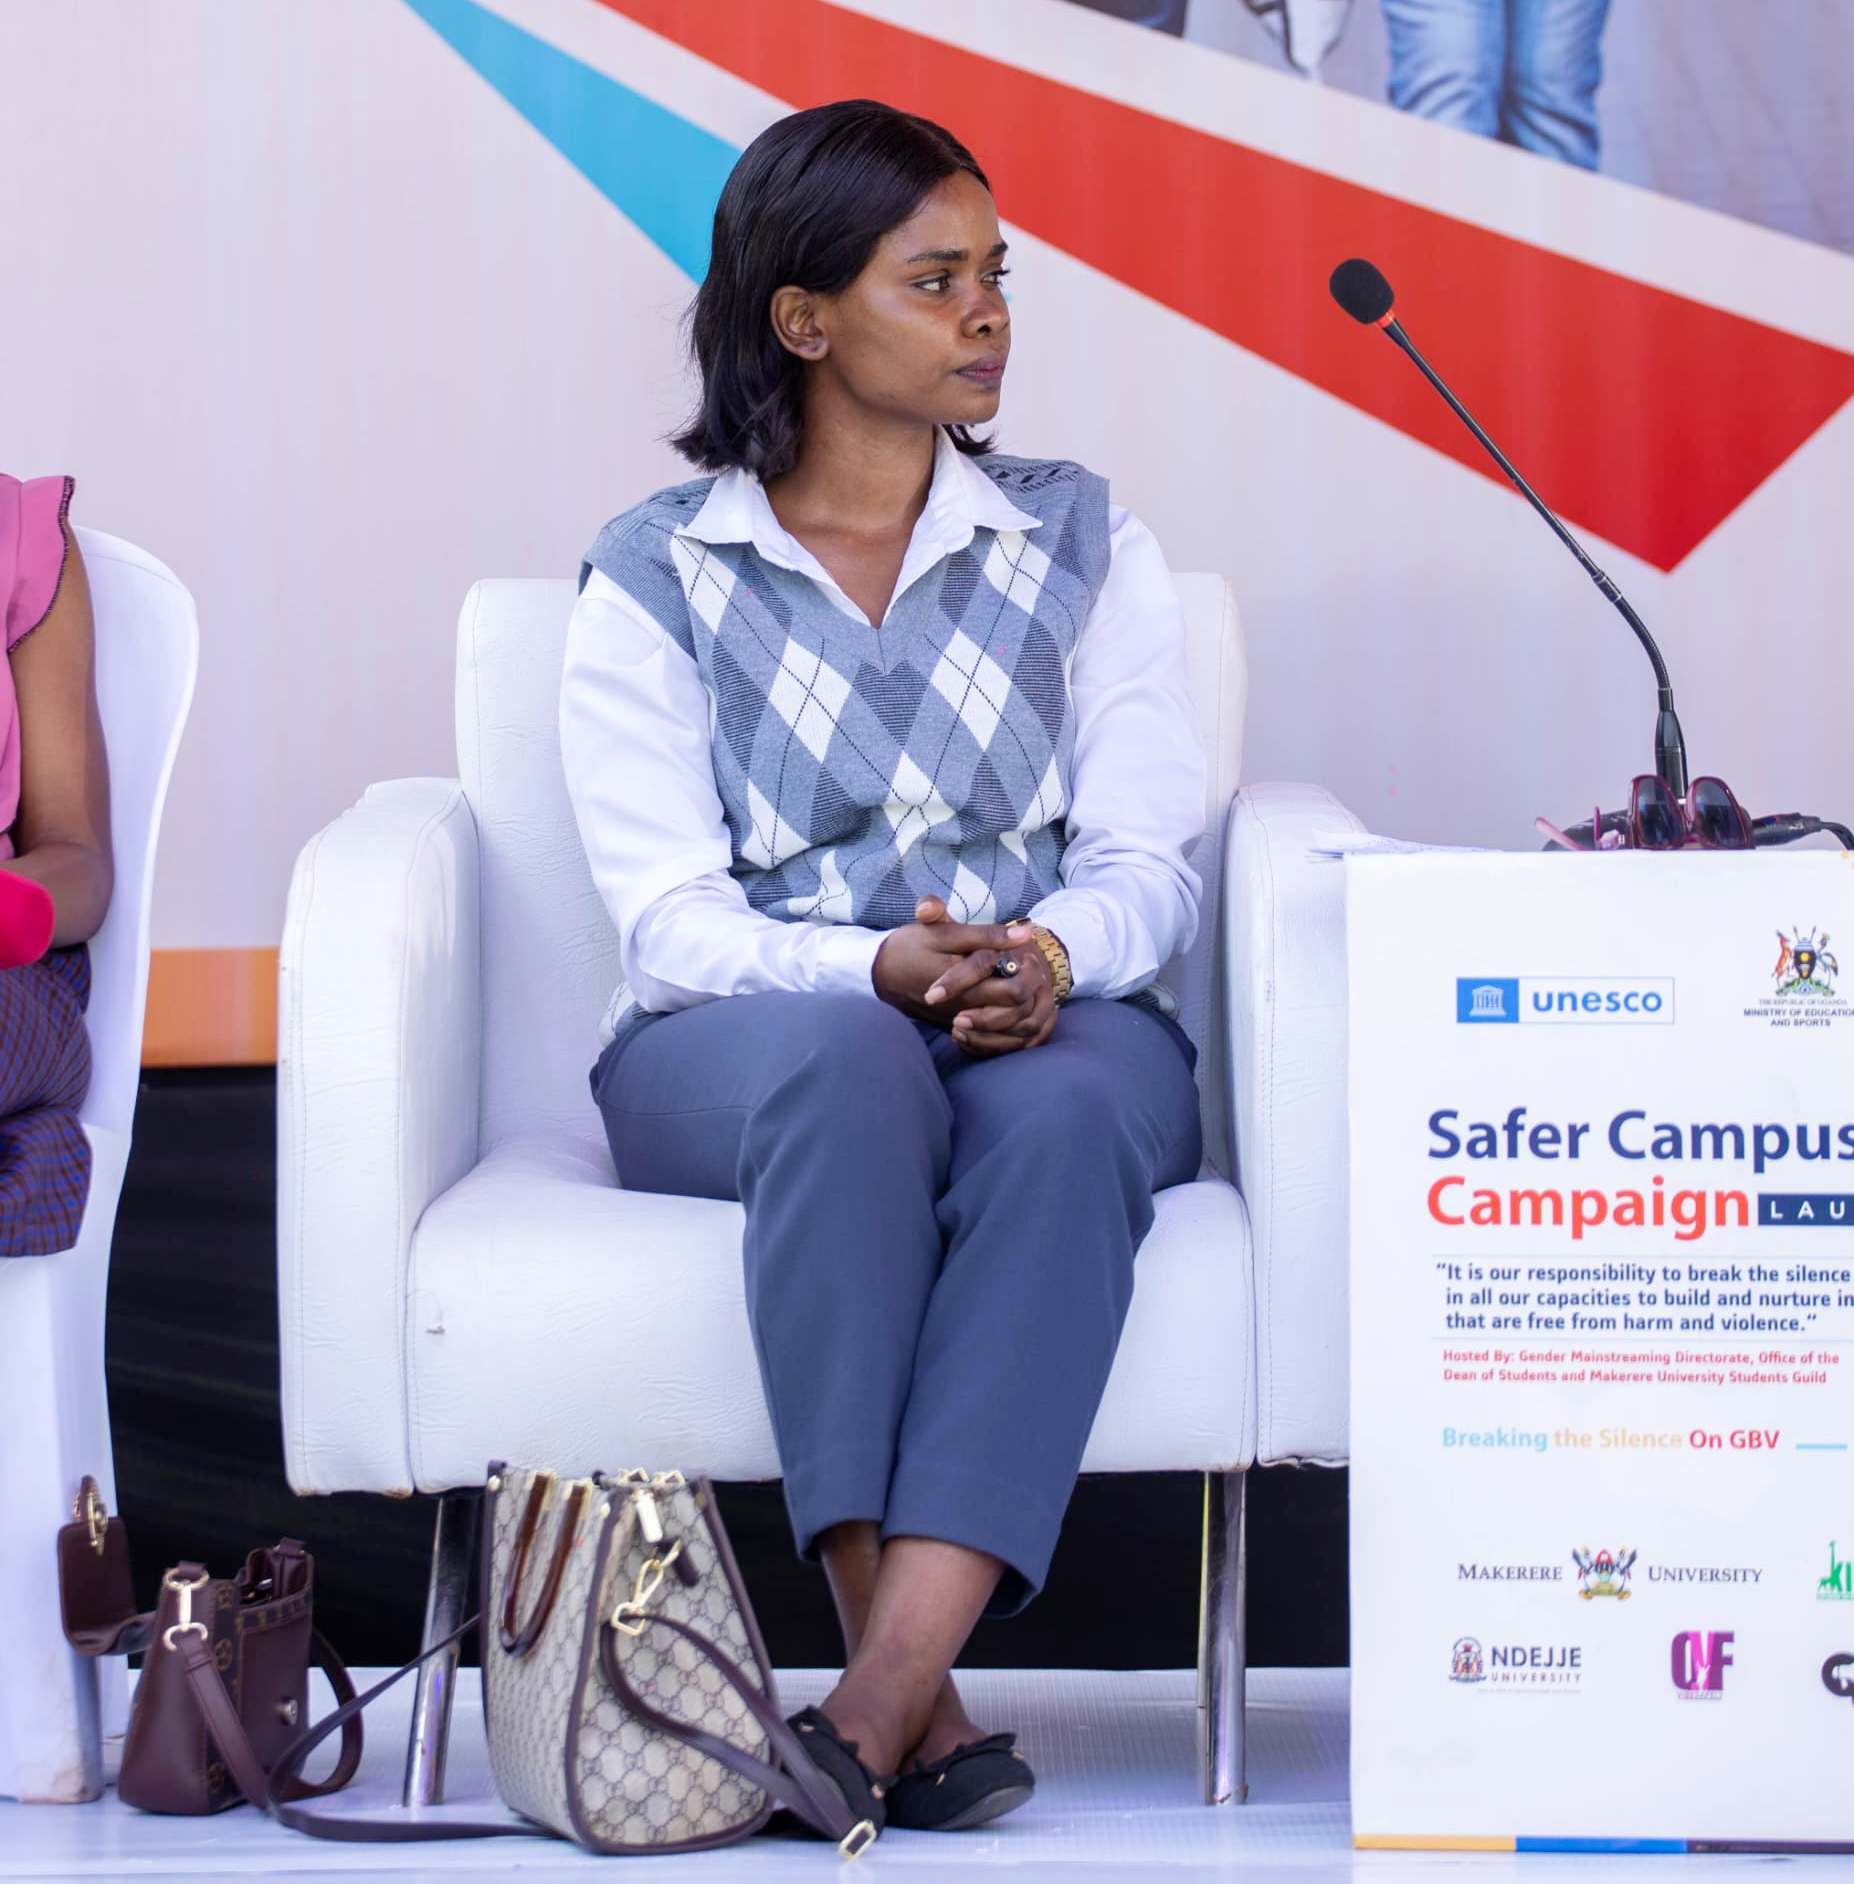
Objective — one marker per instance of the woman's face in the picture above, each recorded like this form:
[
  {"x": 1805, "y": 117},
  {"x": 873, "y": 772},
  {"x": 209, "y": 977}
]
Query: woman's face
[{"x": 928, "y": 306}]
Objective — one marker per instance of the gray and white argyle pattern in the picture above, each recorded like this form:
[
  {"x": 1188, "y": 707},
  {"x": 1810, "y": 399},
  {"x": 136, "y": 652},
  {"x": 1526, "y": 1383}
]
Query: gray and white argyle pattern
[{"x": 861, "y": 769}]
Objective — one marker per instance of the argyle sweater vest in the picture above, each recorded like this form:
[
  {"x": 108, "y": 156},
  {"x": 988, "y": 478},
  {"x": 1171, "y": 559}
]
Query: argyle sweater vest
[{"x": 861, "y": 769}]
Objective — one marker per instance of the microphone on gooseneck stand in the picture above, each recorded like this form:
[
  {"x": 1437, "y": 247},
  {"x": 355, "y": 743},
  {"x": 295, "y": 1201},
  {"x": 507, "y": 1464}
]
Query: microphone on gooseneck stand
[{"x": 1363, "y": 292}]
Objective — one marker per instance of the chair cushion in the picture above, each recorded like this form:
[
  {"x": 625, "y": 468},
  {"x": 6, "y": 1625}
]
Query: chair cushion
[{"x": 553, "y": 1317}]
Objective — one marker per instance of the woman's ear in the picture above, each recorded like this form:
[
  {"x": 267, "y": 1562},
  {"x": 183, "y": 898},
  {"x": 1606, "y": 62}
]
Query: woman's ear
[{"x": 794, "y": 315}]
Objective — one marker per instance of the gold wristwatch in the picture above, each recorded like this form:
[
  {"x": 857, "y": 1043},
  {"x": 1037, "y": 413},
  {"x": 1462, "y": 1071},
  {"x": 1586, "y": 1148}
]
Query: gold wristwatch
[{"x": 1056, "y": 956}]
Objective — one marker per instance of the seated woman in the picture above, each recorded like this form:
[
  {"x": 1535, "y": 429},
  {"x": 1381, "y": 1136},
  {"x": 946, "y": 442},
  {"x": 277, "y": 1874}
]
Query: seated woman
[
  {"x": 881, "y": 750},
  {"x": 55, "y": 866}
]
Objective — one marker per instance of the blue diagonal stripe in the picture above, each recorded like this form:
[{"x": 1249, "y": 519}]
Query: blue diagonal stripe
[{"x": 661, "y": 171}]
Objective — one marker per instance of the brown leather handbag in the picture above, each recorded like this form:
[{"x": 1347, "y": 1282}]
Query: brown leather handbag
[{"x": 225, "y": 1684}]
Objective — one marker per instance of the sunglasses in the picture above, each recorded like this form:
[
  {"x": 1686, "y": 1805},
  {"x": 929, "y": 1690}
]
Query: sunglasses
[{"x": 1708, "y": 818}]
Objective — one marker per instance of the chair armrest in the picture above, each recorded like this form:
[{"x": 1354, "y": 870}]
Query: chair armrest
[
  {"x": 1285, "y": 993},
  {"x": 379, "y": 1051}
]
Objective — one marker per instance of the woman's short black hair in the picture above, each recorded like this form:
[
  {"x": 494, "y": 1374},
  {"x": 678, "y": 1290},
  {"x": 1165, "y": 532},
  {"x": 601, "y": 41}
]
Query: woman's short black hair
[{"x": 806, "y": 204}]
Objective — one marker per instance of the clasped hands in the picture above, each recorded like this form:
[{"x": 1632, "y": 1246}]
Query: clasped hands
[{"x": 935, "y": 969}]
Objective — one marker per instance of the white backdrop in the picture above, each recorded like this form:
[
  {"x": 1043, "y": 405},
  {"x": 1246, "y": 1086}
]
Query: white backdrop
[{"x": 312, "y": 314}]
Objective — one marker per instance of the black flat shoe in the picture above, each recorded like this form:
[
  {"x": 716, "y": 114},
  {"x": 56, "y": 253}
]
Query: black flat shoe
[
  {"x": 973, "y": 1785},
  {"x": 863, "y": 1791}
]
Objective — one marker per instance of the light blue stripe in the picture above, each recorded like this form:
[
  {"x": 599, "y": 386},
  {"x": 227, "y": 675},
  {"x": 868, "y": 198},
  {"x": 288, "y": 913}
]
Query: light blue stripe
[
  {"x": 1821, "y": 1445},
  {"x": 1660, "y": 1845},
  {"x": 661, "y": 171}
]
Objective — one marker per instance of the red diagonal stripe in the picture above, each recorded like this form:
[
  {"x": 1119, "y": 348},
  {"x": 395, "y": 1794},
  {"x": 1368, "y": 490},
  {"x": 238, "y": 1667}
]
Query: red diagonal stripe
[{"x": 1642, "y": 415}]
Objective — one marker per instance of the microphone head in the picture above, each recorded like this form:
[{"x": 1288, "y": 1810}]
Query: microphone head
[{"x": 1362, "y": 291}]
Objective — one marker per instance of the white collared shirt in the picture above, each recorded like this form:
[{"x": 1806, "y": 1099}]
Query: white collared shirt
[{"x": 657, "y": 839}]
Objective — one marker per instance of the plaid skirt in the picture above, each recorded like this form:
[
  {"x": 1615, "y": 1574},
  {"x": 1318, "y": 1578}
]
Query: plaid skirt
[{"x": 44, "y": 1074}]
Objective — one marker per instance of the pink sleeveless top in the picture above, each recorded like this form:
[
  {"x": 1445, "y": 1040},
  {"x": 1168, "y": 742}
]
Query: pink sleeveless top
[{"x": 31, "y": 562}]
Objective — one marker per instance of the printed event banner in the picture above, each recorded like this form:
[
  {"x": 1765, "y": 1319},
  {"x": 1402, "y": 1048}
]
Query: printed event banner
[{"x": 1602, "y": 1375}]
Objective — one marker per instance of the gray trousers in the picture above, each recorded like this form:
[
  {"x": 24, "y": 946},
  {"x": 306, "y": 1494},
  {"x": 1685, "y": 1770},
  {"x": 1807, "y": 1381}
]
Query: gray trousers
[{"x": 939, "y": 1248}]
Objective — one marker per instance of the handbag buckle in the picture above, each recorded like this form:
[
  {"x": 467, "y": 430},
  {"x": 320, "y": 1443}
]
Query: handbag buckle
[
  {"x": 857, "y": 1839},
  {"x": 89, "y": 1510},
  {"x": 649, "y": 1517},
  {"x": 187, "y": 1625},
  {"x": 628, "y": 1617}
]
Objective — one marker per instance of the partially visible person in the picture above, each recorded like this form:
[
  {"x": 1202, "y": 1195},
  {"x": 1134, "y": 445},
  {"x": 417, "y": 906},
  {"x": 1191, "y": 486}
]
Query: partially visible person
[
  {"x": 1305, "y": 30},
  {"x": 1523, "y": 71},
  {"x": 56, "y": 872},
  {"x": 1162, "y": 16}
]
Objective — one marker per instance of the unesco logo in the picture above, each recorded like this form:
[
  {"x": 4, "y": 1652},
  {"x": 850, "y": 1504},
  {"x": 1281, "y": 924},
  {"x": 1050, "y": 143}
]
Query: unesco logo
[
  {"x": 1700, "y": 1659},
  {"x": 1564, "y": 1001}
]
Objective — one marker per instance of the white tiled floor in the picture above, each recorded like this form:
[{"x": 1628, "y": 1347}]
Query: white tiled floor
[{"x": 1117, "y": 1798}]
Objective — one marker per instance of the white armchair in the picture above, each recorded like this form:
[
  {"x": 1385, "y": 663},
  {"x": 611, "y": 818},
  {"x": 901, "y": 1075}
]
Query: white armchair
[
  {"x": 54, "y": 1413},
  {"x": 461, "y": 1276}
]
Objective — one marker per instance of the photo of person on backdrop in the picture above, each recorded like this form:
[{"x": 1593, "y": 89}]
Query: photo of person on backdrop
[
  {"x": 1523, "y": 71},
  {"x": 1741, "y": 109}
]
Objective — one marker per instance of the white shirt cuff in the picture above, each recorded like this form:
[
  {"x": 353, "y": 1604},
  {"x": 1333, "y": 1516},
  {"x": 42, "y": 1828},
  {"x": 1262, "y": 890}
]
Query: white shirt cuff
[
  {"x": 1075, "y": 919},
  {"x": 846, "y": 958}
]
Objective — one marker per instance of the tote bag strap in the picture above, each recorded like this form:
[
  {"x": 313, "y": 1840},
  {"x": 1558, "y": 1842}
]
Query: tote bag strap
[
  {"x": 276, "y": 1798},
  {"x": 798, "y": 1785}
]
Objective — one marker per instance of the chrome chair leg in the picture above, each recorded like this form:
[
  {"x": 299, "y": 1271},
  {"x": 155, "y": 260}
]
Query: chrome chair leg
[
  {"x": 1223, "y": 1664},
  {"x": 447, "y": 1603},
  {"x": 1203, "y": 1608}
]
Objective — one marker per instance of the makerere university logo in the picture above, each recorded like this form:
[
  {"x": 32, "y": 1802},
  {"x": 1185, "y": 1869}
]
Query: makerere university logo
[{"x": 1603, "y": 1573}]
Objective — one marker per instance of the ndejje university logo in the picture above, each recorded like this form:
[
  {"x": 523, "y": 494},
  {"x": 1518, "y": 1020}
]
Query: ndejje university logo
[
  {"x": 1564, "y": 1001},
  {"x": 1516, "y": 1664},
  {"x": 1466, "y": 1662}
]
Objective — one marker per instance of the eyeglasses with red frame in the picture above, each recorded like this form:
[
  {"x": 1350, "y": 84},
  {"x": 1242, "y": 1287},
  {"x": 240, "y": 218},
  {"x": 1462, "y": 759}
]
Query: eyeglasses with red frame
[{"x": 1707, "y": 818}]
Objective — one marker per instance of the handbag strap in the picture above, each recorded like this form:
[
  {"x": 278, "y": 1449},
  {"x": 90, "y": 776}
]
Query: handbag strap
[
  {"x": 128, "y": 1635},
  {"x": 277, "y": 1798},
  {"x": 234, "y": 1744},
  {"x": 797, "y": 1783},
  {"x": 800, "y": 1786},
  {"x": 519, "y": 1637}
]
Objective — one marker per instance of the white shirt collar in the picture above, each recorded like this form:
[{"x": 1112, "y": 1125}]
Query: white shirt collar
[{"x": 960, "y": 500}]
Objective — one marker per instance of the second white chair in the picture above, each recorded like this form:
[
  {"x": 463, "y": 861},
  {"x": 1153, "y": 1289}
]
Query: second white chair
[{"x": 54, "y": 1414}]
